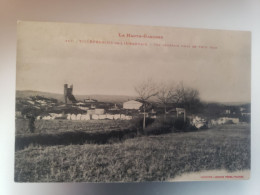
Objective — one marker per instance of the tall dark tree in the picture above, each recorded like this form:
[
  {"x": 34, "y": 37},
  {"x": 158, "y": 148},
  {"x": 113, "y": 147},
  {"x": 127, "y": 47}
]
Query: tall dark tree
[
  {"x": 145, "y": 91},
  {"x": 165, "y": 92},
  {"x": 185, "y": 97}
]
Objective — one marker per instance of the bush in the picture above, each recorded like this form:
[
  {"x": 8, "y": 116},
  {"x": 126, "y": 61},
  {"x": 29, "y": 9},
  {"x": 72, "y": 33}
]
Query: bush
[
  {"x": 246, "y": 119},
  {"x": 137, "y": 124},
  {"x": 181, "y": 125},
  {"x": 160, "y": 126},
  {"x": 229, "y": 122}
]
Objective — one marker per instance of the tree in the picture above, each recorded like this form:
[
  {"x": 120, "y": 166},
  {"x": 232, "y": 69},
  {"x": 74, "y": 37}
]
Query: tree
[
  {"x": 187, "y": 98},
  {"x": 145, "y": 91},
  {"x": 31, "y": 113},
  {"x": 165, "y": 92}
]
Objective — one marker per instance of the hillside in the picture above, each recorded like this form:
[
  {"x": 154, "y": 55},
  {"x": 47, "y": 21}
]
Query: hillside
[{"x": 60, "y": 97}]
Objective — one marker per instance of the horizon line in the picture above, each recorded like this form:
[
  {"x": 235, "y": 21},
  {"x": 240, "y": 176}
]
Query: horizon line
[{"x": 205, "y": 101}]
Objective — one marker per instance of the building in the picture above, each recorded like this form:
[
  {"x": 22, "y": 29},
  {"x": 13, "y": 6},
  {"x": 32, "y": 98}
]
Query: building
[
  {"x": 227, "y": 111},
  {"x": 132, "y": 104},
  {"x": 99, "y": 111},
  {"x": 89, "y": 100},
  {"x": 181, "y": 112},
  {"x": 68, "y": 96}
]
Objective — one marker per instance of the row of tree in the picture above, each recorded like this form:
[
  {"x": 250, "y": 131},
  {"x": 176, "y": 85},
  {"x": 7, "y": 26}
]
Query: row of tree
[{"x": 167, "y": 94}]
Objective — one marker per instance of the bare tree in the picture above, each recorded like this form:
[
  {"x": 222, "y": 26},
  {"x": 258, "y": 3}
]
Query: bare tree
[
  {"x": 145, "y": 91},
  {"x": 185, "y": 97},
  {"x": 165, "y": 92}
]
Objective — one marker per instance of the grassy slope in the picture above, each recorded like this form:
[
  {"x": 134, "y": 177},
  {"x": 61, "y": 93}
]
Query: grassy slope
[
  {"x": 151, "y": 158},
  {"x": 55, "y": 126}
]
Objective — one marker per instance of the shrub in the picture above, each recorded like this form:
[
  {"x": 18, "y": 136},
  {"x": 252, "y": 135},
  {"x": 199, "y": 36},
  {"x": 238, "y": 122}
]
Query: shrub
[
  {"x": 246, "y": 119},
  {"x": 159, "y": 126},
  {"x": 229, "y": 122},
  {"x": 181, "y": 125},
  {"x": 162, "y": 125},
  {"x": 137, "y": 124}
]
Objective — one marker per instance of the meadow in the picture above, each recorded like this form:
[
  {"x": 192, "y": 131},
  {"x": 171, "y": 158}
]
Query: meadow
[
  {"x": 142, "y": 158},
  {"x": 54, "y": 126}
]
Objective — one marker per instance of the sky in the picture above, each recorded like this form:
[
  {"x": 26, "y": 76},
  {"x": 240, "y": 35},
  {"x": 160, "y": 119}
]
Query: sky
[{"x": 215, "y": 62}]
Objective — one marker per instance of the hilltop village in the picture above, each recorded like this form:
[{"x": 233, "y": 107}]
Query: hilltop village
[{"x": 44, "y": 108}]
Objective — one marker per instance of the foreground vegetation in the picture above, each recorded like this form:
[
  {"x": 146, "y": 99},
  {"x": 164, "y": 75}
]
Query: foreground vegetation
[
  {"x": 55, "y": 126},
  {"x": 146, "y": 158}
]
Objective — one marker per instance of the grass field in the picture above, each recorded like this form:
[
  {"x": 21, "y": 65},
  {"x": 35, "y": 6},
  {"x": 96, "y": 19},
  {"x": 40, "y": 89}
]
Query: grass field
[
  {"x": 54, "y": 126},
  {"x": 146, "y": 158}
]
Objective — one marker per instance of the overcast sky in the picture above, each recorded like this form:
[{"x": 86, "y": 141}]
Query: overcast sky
[{"x": 45, "y": 61}]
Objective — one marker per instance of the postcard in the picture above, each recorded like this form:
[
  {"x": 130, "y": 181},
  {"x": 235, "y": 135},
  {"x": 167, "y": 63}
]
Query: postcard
[{"x": 125, "y": 103}]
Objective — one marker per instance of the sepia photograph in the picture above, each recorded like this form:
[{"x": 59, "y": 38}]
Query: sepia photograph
[{"x": 125, "y": 103}]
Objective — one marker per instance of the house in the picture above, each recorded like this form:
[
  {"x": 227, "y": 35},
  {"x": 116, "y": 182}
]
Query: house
[
  {"x": 227, "y": 111},
  {"x": 242, "y": 109},
  {"x": 99, "y": 111},
  {"x": 18, "y": 114},
  {"x": 224, "y": 120},
  {"x": 245, "y": 113},
  {"x": 89, "y": 100},
  {"x": 180, "y": 112},
  {"x": 132, "y": 104}
]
